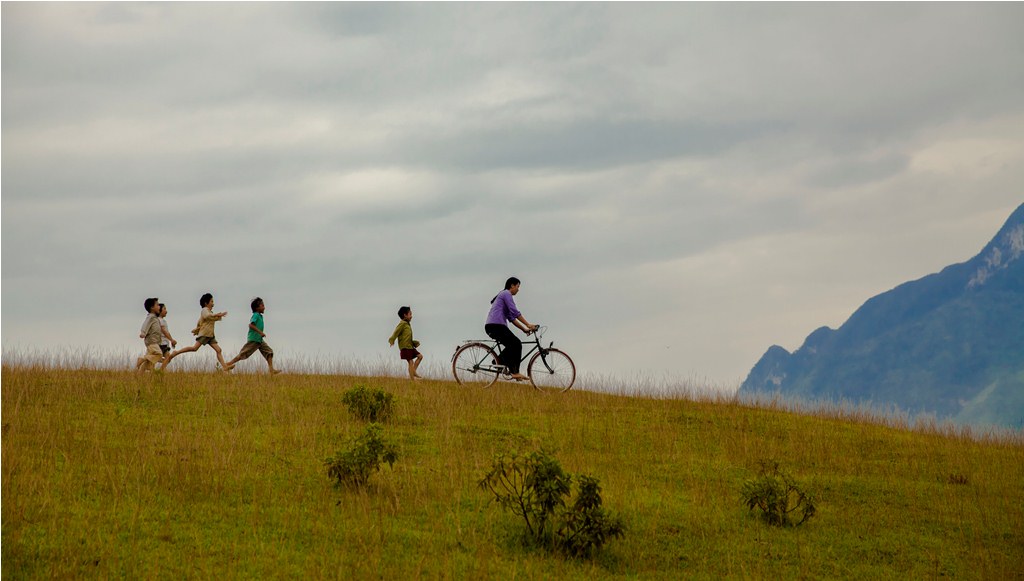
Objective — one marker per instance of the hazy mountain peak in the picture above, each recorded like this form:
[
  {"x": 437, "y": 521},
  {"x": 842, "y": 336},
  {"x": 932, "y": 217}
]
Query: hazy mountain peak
[
  {"x": 950, "y": 343},
  {"x": 1006, "y": 248}
]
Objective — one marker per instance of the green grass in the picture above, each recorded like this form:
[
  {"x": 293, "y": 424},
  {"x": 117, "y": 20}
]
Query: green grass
[{"x": 191, "y": 475}]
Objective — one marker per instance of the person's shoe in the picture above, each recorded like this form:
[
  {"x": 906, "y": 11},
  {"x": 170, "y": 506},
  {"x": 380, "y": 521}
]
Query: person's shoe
[
  {"x": 275, "y": 371},
  {"x": 519, "y": 377}
]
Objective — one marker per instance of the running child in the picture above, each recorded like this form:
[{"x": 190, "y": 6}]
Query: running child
[
  {"x": 406, "y": 344},
  {"x": 150, "y": 334},
  {"x": 166, "y": 341},
  {"x": 255, "y": 340},
  {"x": 204, "y": 332}
]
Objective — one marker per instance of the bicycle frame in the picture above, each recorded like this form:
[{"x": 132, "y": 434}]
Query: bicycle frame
[
  {"x": 498, "y": 348},
  {"x": 476, "y": 361}
]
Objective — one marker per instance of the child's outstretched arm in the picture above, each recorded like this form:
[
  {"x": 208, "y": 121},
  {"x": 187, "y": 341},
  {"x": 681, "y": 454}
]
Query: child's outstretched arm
[
  {"x": 167, "y": 334},
  {"x": 391, "y": 339}
]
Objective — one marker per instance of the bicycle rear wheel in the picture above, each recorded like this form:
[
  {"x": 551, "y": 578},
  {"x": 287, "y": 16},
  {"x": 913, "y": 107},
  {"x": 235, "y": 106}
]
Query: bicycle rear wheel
[
  {"x": 551, "y": 369},
  {"x": 475, "y": 364}
]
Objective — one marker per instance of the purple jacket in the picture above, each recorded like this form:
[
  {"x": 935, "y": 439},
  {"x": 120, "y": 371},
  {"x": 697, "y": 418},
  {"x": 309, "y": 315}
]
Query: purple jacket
[{"x": 503, "y": 309}]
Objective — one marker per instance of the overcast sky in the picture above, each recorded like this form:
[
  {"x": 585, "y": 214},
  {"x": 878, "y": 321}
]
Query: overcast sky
[{"x": 679, "y": 186}]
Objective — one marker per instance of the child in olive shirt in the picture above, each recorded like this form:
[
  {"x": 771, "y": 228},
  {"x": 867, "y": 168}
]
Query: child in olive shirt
[{"x": 403, "y": 332}]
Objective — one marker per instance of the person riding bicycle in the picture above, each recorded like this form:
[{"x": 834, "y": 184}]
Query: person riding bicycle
[{"x": 503, "y": 309}]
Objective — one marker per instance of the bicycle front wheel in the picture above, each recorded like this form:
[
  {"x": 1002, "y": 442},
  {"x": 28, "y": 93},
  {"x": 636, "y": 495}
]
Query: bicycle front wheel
[
  {"x": 552, "y": 369},
  {"x": 475, "y": 364}
]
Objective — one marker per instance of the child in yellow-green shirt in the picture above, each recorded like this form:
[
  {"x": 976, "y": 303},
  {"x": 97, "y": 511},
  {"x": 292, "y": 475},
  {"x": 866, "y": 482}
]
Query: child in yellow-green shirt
[{"x": 406, "y": 344}]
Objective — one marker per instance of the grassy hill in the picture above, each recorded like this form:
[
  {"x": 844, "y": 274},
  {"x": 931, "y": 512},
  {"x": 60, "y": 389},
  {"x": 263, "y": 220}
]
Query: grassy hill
[{"x": 191, "y": 475}]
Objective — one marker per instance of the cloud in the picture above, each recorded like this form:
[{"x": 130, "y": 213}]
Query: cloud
[{"x": 678, "y": 185}]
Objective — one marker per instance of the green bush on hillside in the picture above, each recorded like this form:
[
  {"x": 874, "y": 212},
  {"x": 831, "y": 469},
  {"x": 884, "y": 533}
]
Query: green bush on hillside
[
  {"x": 354, "y": 466},
  {"x": 535, "y": 488},
  {"x": 777, "y": 495},
  {"x": 368, "y": 405},
  {"x": 586, "y": 526}
]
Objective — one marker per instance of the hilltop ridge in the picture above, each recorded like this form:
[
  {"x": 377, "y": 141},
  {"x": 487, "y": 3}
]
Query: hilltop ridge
[{"x": 115, "y": 474}]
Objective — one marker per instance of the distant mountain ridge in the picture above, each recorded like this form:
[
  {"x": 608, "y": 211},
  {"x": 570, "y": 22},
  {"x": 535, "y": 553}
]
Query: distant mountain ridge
[{"x": 951, "y": 343}]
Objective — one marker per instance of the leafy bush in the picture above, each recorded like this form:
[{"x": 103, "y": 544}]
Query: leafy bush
[
  {"x": 368, "y": 405},
  {"x": 777, "y": 495},
  {"x": 535, "y": 487},
  {"x": 354, "y": 466},
  {"x": 586, "y": 527}
]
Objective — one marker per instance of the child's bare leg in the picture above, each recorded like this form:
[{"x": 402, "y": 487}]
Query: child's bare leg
[
  {"x": 174, "y": 354},
  {"x": 270, "y": 365},
  {"x": 220, "y": 357},
  {"x": 144, "y": 365},
  {"x": 415, "y": 365},
  {"x": 412, "y": 368}
]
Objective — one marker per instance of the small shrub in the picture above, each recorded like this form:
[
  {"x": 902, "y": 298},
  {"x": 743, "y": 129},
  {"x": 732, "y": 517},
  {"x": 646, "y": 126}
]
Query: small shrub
[
  {"x": 354, "y": 466},
  {"x": 777, "y": 495},
  {"x": 368, "y": 405},
  {"x": 586, "y": 527},
  {"x": 535, "y": 488}
]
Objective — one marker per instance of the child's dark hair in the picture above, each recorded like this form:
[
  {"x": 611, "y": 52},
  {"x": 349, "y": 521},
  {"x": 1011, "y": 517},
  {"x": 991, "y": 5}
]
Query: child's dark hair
[
  {"x": 255, "y": 304},
  {"x": 402, "y": 311},
  {"x": 148, "y": 303},
  {"x": 162, "y": 307},
  {"x": 511, "y": 282},
  {"x": 205, "y": 299}
]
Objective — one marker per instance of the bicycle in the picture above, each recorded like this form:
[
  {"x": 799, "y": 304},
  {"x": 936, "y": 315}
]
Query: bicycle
[{"x": 475, "y": 362}]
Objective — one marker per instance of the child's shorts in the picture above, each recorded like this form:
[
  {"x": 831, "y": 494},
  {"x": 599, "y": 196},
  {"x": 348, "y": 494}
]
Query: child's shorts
[
  {"x": 409, "y": 354},
  {"x": 153, "y": 353},
  {"x": 253, "y": 346},
  {"x": 206, "y": 340}
]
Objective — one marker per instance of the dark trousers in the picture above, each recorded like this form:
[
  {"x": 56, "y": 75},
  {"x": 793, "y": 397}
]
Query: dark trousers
[{"x": 513, "y": 346}]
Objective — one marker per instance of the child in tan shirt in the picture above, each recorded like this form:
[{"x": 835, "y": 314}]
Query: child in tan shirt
[
  {"x": 150, "y": 334},
  {"x": 204, "y": 333}
]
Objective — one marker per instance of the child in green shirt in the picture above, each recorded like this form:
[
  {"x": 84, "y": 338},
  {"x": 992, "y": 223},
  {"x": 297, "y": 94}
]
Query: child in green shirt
[
  {"x": 255, "y": 340},
  {"x": 406, "y": 344}
]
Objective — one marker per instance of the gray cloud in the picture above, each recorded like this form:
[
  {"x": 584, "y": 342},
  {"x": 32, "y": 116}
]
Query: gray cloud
[{"x": 679, "y": 185}]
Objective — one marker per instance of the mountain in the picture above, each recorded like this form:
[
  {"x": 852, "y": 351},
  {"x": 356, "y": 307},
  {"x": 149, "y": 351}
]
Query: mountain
[{"x": 951, "y": 343}]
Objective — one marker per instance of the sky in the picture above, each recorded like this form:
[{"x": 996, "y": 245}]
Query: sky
[{"x": 678, "y": 186}]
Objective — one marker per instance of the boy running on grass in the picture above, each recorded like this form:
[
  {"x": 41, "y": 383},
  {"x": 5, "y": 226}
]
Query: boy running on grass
[
  {"x": 403, "y": 332},
  {"x": 150, "y": 334},
  {"x": 166, "y": 342},
  {"x": 203, "y": 332},
  {"x": 255, "y": 340}
]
